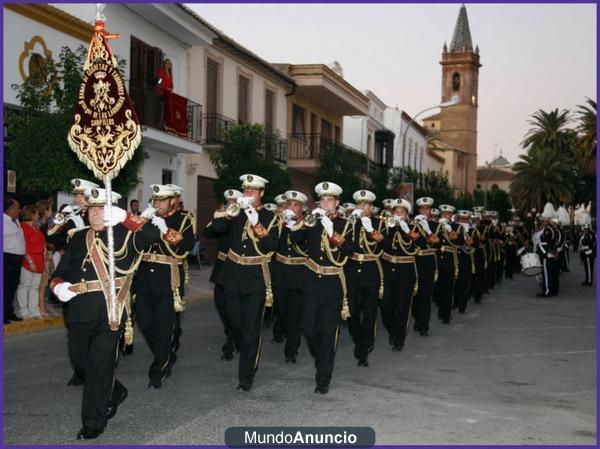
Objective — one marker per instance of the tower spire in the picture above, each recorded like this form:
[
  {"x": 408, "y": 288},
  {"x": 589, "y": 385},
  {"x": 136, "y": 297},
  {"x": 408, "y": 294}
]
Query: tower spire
[{"x": 461, "y": 40}]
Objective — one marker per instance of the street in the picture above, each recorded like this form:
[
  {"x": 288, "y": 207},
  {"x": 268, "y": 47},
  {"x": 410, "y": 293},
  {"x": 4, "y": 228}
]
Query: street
[{"x": 514, "y": 370}]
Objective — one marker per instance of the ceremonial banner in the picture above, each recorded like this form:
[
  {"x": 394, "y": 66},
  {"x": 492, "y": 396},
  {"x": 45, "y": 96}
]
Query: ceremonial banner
[
  {"x": 176, "y": 114},
  {"x": 105, "y": 130},
  {"x": 406, "y": 192}
]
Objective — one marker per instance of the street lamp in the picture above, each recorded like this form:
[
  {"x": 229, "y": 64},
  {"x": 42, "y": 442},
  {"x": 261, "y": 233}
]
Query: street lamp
[{"x": 453, "y": 101}]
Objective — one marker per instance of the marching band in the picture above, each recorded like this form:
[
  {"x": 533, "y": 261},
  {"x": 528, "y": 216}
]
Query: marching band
[{"x": 315, "y": 268}]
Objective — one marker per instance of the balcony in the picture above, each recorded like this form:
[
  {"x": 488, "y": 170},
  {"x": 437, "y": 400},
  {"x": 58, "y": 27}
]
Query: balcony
[
  {"x": 275, "y": 147},
  {"x": 216, "y": 126},
  {"x": 151, "y": 113}
]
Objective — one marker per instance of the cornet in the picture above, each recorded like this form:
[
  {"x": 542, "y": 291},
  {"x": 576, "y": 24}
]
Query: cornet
[
  {"x": 310, "y": 220},
  {"x": 234, "y": 209}
]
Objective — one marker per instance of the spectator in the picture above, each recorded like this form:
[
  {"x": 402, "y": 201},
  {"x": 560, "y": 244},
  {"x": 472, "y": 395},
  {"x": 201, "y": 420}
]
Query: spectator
[
  {"x": 165, "y": 76},
  {"x": 134, "y": 207},
  {"x": 28, "y": 297},
  {"x": 44, "y": 208},
  {"x": 14, "y": 249}
]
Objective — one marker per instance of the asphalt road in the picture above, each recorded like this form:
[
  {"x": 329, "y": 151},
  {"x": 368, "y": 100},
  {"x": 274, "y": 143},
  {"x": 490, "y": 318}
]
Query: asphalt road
[{"x": 514, "y": 370}]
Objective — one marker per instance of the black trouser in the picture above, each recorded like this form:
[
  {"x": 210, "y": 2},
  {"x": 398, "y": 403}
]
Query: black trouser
[
  {"x": 491, "y": 271},
  {"x": 221, "y": 310},
  {"x": 478, "y": 282},
  {"x": 363, "y": 316},
  {"x": 278, "y": 325},
  {"x": 511, "y": 255},
  {"x": 462, "y": 286},
  {"x": 564, "y": 260},
  {"x": 397, "y": 302},
  {"x": 288, "y": 304},
  {"x": 93, "y": 349},
  {"x": 588, "y": 265},
  {"x": 156, "y": 317},
  {"x": 550, "y": 275},
  {"x": 245, "y": 314},
  {"x": 421, "y": 311},
  {"x": 321, "y": 316},
  {"x": 12, "y": 277},
  {"x": 445, "y": 284},
  {"x": 500, "y": 267}
]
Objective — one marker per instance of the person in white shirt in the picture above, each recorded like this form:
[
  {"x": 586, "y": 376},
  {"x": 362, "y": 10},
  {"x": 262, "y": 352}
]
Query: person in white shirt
[{"x": 14, "y": 251}]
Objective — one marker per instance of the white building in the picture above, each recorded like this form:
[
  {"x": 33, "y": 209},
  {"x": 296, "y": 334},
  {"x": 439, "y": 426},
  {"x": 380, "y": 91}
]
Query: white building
[
  {"x": 149, "y": 33},
  {"x": 368, "y": 134},
  {"x": 411, "y": 137}
]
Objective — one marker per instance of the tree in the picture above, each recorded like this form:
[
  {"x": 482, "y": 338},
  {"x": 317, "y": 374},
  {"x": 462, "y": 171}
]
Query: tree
[
  {"x": 585, "y": 153},
  {"x": 342, "y": 166},
  {"x": 550, "y": 130},
  {"x": 542, "y": 175},
  {"x": 38, "y": 150},
  {"x": 247, "y": 149}
]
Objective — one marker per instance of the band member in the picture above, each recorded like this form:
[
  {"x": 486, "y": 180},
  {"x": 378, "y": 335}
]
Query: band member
[
  {"x": 478, "y": 282},
  {"x": 587, "y": 250},
  {"x": 272, "y": 316},
  {"x": 546, "y": 248},
  {"x": 79, "y": 280},
  {"x": 231, "y": 196},
  {"x": 451, "y": 239},
  {"x": 288, "y": 275},
  {"x": 435, "y": 214},
  {"x": 246, "y": 276},
  {"x": 466, "y": 261},
  {"x": 328, "y": 240},
  {"x": 511, "y": 247},
  {"x": 364, "y": 275},
  {"x": 425, "y": 238},
  {"x": 488, "y": 236},
  {"x": 400, "y": 273},
  {"x": 159, "y": 282}
]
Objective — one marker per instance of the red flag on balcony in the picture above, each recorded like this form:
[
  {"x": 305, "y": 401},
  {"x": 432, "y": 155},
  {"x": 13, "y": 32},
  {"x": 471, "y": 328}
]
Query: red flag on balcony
[{"x": 176, "y": 114}]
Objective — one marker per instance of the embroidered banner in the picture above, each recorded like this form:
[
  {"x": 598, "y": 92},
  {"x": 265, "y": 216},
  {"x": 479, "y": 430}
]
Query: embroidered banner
[{"x": 176, "y": 114}]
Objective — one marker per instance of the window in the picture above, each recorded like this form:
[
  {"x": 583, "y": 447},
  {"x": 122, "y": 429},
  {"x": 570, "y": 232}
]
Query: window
[
  {"x": 456, "y": 81},
  {"x": 167, "y": 177},
  {"x": 338, "y": 134},
  {"x": 243, "y": 99},
  {"x": 212, "y": 86},
  {"x": 269, "y": 108},
  {"x": 326, "y": 131},
  {"x": 297, "y": 120}
]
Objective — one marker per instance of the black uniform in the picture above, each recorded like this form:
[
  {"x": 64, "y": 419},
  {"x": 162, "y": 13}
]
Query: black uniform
[
  {"x": 228, "y": 349},
  {"x": 548, "y": 255},
  {"x": 288, "y": 274},
  {"x": 587, "y": 248},
  {"x": 401, "y": 283},
  {"x": 364, "y": 280},
  {"x": 158, "y": 284},
  {"x": 561, "y": 247},
  {"x": 500, "y": 253},
  {"x": 511, "y": 247},
  {"x": 466, "y": 268},
  {"x": 480, "y": 259},
  {"x": 427, "y": 271},
  {"x": 92, "y": 345},
  {"x": 448, "y": 266},
  {"x": 492, "y": 254},
  {"x": 324, "y": 294},
  {"x": 246, "y": 284}
]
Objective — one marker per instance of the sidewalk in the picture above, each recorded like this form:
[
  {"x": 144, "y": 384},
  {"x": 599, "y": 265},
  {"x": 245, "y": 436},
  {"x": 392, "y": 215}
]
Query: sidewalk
[{"x": 200, "y": 289}]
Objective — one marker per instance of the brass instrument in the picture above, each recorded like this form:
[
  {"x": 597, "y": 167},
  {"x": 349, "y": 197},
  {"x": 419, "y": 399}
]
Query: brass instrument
[
  {"x": 60, "y": 219},
  {"x": 310, "y": 220},
  {"x": 233, "y": 209}
]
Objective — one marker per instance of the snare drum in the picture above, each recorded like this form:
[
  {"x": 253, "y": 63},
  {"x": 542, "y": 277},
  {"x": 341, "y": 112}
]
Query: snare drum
[{"x": 530, "y": 264}]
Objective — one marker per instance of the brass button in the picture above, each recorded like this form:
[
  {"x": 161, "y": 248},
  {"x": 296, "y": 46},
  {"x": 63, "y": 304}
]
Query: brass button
[
  {"x": 243, "y": 254},
  {"x": 320, "y": 276},
  {"x": 243, "y": 246},
  {"x": 84, "y": 269},
  {"x": 151, "y": 270},
  {"x": 359, "y": 270},
  {"x": 321, "y": 258},
  {"x": 393, "y": 269}
]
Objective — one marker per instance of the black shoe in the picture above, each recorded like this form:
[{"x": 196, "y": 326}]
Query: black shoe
[
  {"x": 75, "y": 381},
  {"x": 477, "y": 301},
  {"x": 227, "y": 356},
  {"x": 87, "y": 433},
  {"x": 277, "y": 339},
  {"x": 155, "y": 383},
  {"x": 397, "y": 348},
  {"x": 128, "y": 350},
  {"x": 14, "y": 317},
  {"x": 423, "y": 333},
  {"x": 585, "y": 283},
  {"x": 416, "y": 327},
  {"x": 322, "y": 389},
  {"x": 462, "y": 311},
  {"x": 446, "y": 320},
  {"x": 543, "y": 295},
  {"x": 243, "y": 386},
  {"x": 290, "y": 358},
  {"x": 439, "y": 315},
  {"x": 362, "y": 362},
  {"x": 112, "y": 408}
]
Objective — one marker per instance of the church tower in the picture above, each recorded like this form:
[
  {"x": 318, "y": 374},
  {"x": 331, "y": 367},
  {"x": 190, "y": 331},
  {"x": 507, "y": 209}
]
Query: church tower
[{"x": 458, "y": 123}]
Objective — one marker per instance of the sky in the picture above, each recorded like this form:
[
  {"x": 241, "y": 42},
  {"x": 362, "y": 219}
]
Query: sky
[{"x": 533, "y": 56}]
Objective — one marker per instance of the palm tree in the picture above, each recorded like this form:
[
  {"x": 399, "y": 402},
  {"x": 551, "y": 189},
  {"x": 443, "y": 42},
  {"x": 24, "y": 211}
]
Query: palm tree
[
  {"x": 541, "y": 176},
  {"x": 550, "y": 130},
  {"x": 585, "y": 153}
]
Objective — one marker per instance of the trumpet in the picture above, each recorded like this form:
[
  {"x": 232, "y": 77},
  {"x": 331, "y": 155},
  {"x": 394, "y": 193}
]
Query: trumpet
[
  {"x": 59, "y": 219},
  {"x": 389, "y": 219},
  {"x": 233, "y": 209},
  {"x": 310, "y": 220}
]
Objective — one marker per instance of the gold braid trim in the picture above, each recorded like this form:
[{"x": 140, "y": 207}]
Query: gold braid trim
[
  {"x": 345, "y": 307},
  {"x": 128, "y": 323}
]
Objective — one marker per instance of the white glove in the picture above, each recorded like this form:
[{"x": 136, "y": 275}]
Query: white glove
[
  {"x": 63, "y": 293},
  {"x": 465, "y": 226},
  {"x": 290, "y": 223},
  {"x": 252, "y": 215},
  {"x": 148, "y": 212},
  {"x": 117, "y": 215},
  {"x": 367, "y": 224},
  {"x": 404, "y": 226},
  {"x": 357, "y": 213},
  {"x": 420, "y": 218},
  {"x": 160, "y": 223},
  {"x": 288, "y": 214},
  {"x": 425, "y": 225},
  {"x": 318, "y": 211},
  {"x": 448, "y": 227},
  {"x": 520, "y": 251},
  {"x": 328, "y": 225},
  {"x": 79, "y": 224},
  {"x": 443, "y": 220},
  {"x": 245, "y": 201}
]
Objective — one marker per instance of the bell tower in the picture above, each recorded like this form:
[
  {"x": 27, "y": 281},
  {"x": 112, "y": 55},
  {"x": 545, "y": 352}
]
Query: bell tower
[{"x": 458, "y": 123}]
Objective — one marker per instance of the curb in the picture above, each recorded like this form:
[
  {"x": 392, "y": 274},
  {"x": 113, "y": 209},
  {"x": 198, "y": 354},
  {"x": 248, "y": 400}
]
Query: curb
[{"x": 33, "y": 326}]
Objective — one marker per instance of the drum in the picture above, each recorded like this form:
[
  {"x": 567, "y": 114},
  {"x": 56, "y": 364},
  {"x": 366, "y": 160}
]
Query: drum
[{"x": 530, "y": 264}]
